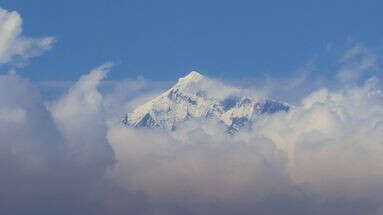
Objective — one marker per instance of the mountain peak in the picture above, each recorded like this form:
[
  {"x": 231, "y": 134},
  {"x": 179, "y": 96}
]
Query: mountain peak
[
  {"x": 193, "y": 97},
  {"x": 193, "y": 76}
]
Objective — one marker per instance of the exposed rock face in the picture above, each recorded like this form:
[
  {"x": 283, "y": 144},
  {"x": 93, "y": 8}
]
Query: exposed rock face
[{"x": 197, "y": 97}]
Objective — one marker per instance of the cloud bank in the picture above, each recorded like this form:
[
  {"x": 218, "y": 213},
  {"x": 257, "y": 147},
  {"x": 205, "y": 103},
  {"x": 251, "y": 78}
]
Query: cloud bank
[
  {"x": 323, "y": 156},
  {"x": 71, "y": 155}
]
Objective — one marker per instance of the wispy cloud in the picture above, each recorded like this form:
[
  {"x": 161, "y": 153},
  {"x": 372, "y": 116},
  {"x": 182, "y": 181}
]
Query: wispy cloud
[
  {"x": 14, "y": 47},
  {"x": 356, "y": 61}
]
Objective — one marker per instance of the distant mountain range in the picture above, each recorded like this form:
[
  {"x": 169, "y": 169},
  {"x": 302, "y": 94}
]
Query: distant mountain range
[{"x": 198, "y": 97}]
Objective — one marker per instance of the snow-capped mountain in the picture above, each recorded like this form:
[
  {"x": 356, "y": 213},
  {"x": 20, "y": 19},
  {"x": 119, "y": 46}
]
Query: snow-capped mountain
[{"x": 198, "y": 97}]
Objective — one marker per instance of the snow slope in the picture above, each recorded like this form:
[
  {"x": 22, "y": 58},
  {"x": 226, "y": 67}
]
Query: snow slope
[{"x": 198, "y": 97}]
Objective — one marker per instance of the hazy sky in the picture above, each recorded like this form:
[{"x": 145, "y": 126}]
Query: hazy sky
[{"x": 162, "y": 40}]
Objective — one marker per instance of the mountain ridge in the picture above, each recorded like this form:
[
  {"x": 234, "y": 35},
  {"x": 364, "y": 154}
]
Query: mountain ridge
[{"x": 198, "y": 97}]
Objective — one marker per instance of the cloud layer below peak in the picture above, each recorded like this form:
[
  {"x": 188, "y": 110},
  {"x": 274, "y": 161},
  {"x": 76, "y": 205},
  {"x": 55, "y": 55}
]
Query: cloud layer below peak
[{"x": 323, "y": 156}]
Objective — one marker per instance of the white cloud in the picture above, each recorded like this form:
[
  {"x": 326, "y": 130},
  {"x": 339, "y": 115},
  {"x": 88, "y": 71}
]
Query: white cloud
[
  {"x": 327, "y": 148},
  {"x": 79, "y": 115},
  {"x": 333, "y": 140},
  {"x": 197, "y": 164},
  {"x": 83, "y": 98},
  {"x": 12, "y": 115},
  {"x": 355, "y": 62},
  {"x": 15, "y": 46},
  {"x": 29, "y": 144}
]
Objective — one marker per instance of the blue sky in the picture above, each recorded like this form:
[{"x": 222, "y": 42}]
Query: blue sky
[{"x": 162, "y": 40}]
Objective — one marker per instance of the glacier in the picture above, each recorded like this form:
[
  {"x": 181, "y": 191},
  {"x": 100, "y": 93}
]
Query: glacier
[{"x": 201, "y": 98}]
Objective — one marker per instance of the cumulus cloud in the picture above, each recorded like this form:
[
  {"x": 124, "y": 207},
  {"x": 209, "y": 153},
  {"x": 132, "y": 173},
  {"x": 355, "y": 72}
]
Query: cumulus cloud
[
  {"x": 13, "y": 45},
  {"x": 196, "y": 166},
  {"x": 53, "y": 158},
  {"x": 323, "y": 156},
  {"x": 79, "y": 115},
  {"x": 333, "y": 139},
  {"x": 30, "y": 144}
]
